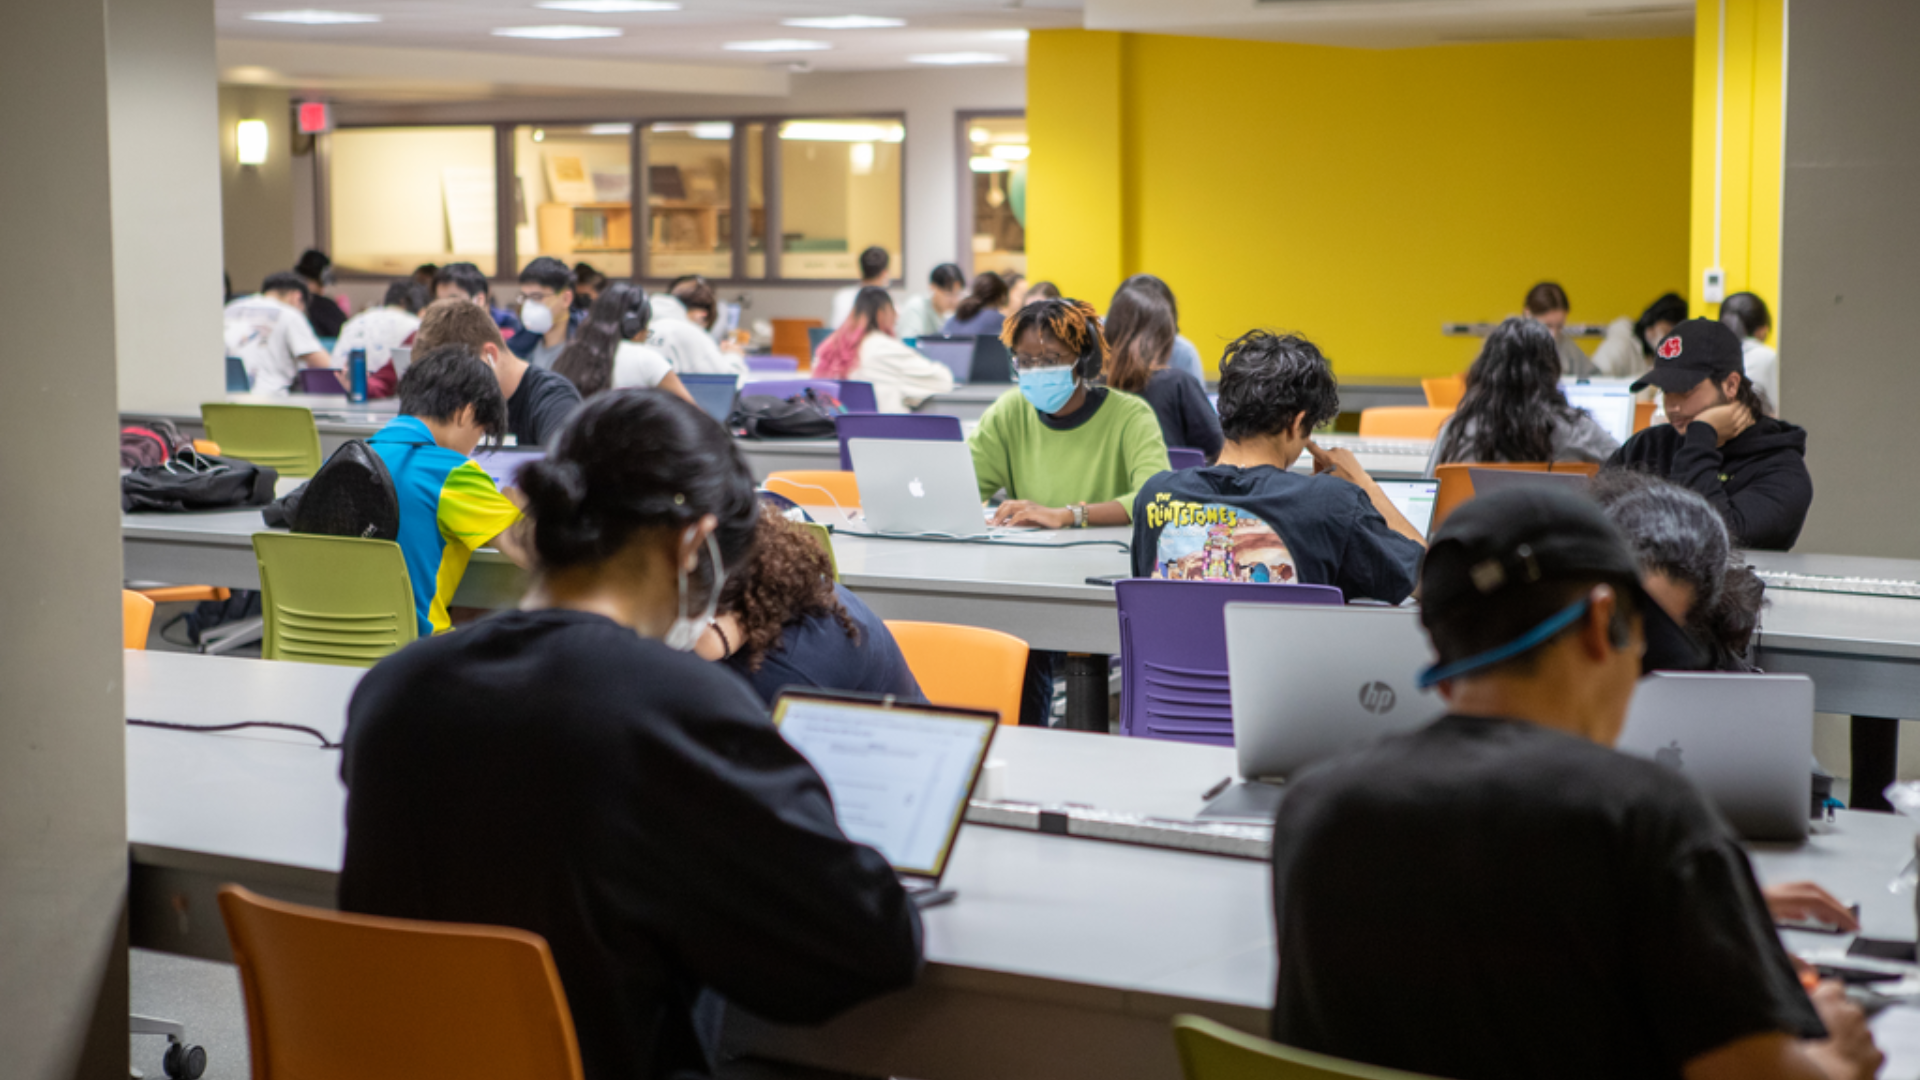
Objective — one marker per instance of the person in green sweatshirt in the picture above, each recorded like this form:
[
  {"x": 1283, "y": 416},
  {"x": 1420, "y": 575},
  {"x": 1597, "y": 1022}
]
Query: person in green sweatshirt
[{"x": 1067, "y": 452}]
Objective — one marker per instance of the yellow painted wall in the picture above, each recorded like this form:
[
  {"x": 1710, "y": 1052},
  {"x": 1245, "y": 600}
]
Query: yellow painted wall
[
  {"x": 1362, "y": 197},
  {"x": 1754, "y": 136}
]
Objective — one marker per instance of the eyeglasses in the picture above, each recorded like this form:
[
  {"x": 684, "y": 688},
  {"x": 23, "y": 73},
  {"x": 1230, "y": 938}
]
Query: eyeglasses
[{"x": 1036, "y": 363}]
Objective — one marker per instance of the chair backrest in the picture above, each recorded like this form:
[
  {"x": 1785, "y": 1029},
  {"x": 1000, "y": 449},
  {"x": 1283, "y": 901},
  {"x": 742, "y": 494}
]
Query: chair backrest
[
  {"x": 772, "y": 362},
  {"x": 1185, "y": 457},
  {"x": 817, "y": 336},
  {"x": 857, "y": 397},
  {"x": 1173, "y": 653},
  {"x": 1214, "y": 1051},
  {"x": 281, "y": 437},
  {"x": 1402, "y": 422},
  {"x": 136, "y": 618},
  {"x": 816, "y": 487},
  {"x": 790, "y": 338},
  {"x": 934, "y": 427},
  {"x": 824, "y": 536},
  {"x": 1642, "y": 416},
  {"x": 320, "y": 381},
  {"x": 330, "y": 994},
  {"x": 968, "y": 666},
  {"x": 1445, "y": 392},
  {"x": 333, "y": 599},
  {"x": 1456, "y": 481}
]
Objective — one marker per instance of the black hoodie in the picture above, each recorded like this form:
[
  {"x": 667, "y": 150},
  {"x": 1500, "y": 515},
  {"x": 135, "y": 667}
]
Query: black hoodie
[{"x": 1758, "y": 481}]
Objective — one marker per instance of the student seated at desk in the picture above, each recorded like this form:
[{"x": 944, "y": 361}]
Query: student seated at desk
[
  {"x": 1248, "y": 518},
  {"x": 1747, "y": 316},
  {"x": 538, "y": 401},
  {"x": 1719, "y": 441},
  {"x": 784, "y": 621},
  {"x": 610, "y": 352},
  {"x": 1513, "y": 409},
  {"x": 864, "y": 349},
  {"x": 1140, "y": 335},
  {"x": 569, "y": 769},
  {"x": 1186, "y": 357},
  {"x": 380, "y": 330},
  {"x": 681, "y": 327},
  {"x": 984, "y": 309},
  {"x": 268, "y": 331},
  {"x": 547, "y": 318},
  {"x": 873, "y": 275},
  {"x": 464, "y": 281},
  {"x": 324, "y": 314},
  {"x": 1547, "y": 304},
  {"x": 925, "y": 313},
  {"x": 1500, "y": 894},
  {"x": 1627, "y": 350},
  {"x": 449, "y": 506}
]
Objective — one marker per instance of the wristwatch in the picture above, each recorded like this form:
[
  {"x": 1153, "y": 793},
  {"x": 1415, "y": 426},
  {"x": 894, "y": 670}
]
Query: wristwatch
[{"x": 1079, "y": 515}]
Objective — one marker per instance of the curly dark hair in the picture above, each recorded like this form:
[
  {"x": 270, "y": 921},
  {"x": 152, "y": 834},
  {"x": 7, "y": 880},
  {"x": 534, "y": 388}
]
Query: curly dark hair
[
  {"x": 1072, "y": 323},
  {"x": 1267, "y": 380},
  {"x": 1513, "y": 399},
  {"x": 790, "y": 578}
]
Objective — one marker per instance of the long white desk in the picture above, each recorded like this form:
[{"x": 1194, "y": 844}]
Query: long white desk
[{"x": 1062, "y": 956}]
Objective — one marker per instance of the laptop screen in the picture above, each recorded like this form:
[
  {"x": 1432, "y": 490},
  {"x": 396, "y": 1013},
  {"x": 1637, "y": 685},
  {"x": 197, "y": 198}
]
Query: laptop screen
[
  {"x": 900, "y": 775},
  {"x": 504, "y": 464},
  {"x": 1413, "y": 498},
  {"x": 713, "y": 393},
  {"x": 954, "y": 352},
  {"x": 1610, "y": 406}
]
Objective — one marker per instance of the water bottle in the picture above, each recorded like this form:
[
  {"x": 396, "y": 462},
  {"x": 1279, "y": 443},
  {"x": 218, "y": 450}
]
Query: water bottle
[{"x": 357, "y": 375}]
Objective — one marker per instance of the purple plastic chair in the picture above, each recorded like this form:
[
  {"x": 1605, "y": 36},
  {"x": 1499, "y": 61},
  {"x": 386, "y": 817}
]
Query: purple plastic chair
[
  {"x": 1173, "y": 647},
  {"x": 932, "y": 426},
  {"x": 1182, "y": 457},
  {"x": 856, "y": 397},
  {"x": 771, "y": 362}
]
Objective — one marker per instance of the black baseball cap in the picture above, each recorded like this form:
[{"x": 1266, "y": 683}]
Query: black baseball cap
[{"x": 1696, "y": 349}]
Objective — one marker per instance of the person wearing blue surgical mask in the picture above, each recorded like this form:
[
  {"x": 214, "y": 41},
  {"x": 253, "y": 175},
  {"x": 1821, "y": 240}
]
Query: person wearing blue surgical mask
[{"x": 546, "y": 312}]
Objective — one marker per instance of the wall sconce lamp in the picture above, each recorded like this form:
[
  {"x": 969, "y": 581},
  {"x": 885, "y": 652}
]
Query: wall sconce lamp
[{"x": 250, "y": 142}]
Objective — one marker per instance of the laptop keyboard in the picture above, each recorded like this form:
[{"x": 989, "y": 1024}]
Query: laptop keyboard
[{"x": 1410, "y": 447}]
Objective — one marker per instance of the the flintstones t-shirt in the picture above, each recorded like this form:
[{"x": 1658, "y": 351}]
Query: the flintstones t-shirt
[{"x": 1225, "y": 523}]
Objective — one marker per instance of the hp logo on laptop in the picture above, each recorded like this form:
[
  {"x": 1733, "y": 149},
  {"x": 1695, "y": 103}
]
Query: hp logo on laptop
[{"x": 1377, "y": 698}]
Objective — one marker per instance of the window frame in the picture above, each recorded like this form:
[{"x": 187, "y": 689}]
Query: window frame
[{"x": 963, "y": 181}]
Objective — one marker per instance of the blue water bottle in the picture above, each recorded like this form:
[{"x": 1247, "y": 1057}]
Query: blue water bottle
[{"x": 357, "y": 375}]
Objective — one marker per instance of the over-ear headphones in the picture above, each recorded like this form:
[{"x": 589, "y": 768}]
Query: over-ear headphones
[
  {"x": 634, "y": 319},
  {"x": 1089, "y": 365}
]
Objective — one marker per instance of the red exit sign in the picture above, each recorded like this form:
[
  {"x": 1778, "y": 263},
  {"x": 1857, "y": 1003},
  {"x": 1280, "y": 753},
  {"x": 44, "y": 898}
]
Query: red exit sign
[{"x": 315, "y": 117}]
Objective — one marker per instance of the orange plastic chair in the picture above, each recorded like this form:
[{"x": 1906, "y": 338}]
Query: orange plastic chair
[
  {"x": 1642, "y": 416},
  {"x": 1402, "y": 422},
  {"x": 329, "y": 994},
  {"x": 790, "y": 339},
  {"x": 968, "y": 666},
  {"x": 136, "y": 618},
  {"x": 206, "y": 446},
  {"x": 173, "y": 594},
  {"x": 816, "y": 487},
  {"x": 1456, "y": 482},
  {"x": 1445, "y": 393}
]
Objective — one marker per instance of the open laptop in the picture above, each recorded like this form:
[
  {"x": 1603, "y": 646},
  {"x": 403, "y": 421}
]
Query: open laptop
[
  {"x": 402, "y": 356},
  {"x": 954, "y": 353},
  {"x": 918, "y": 486},
  {"x": 1745, "y": 740},
  {"x": 504, "y": 463},
  {"x": 713, "y": 393},
  {"x": 1491, "y": 481},
  {"x": 1309, "y": 682},
  {"x": 900, "y": 774},
  {"x": 1414, "y": 499},
  {"x": 1610, "y": 405},
  {"x": 238, "y": 381},
  {"x": 992, "y": 363}
]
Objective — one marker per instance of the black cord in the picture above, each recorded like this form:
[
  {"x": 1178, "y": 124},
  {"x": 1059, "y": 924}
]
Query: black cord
[{"x": 208, "y": 728}]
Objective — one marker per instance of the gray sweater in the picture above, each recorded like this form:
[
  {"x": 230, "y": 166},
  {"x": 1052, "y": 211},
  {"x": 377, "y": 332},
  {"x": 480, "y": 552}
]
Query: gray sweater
[{"x": 1579, "y": 439}]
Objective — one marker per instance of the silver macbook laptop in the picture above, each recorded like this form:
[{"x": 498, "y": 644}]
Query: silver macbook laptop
[
  {"x": 900, "y": 774},
  {"x": 1414, "y": 499},
  {"x": 1309, "y": 682},
  {"x": 1745, "y": 740},
  {"x": 1610, "y": 405},
  {"x": 918, "y": 486}
]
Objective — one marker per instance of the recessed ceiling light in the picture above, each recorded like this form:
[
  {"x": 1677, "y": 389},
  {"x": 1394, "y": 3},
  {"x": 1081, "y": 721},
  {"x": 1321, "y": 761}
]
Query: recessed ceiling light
[
  {"x": 1008, "y": 35},
  {"x": 845, "y": 22},
  {"x": 312, "y": 17},
  {"x": 608, "y": 7},
  {"x": 777, "y": 45},
  {"x": 557, "y": 33},
  {"x": 957, "y": 58}
]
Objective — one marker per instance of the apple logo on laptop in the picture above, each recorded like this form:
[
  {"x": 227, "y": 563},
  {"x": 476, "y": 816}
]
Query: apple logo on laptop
[
  {"x": 1669, "y": 755},
  {"x": 1377, "y": 698},
  {"x": 917, "y": 489}
]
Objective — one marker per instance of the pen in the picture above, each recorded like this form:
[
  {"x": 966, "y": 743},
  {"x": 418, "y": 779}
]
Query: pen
[{"x": 1216, "y": 789}]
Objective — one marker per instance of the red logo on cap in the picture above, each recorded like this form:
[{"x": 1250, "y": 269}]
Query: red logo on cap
[{"x": 1670, "y": 348}]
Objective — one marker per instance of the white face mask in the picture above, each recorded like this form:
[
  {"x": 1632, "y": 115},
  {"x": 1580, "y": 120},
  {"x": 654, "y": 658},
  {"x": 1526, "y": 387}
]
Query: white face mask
[
  {"x": 535, "y": 316},
  {"x": 685, "y": 631}
]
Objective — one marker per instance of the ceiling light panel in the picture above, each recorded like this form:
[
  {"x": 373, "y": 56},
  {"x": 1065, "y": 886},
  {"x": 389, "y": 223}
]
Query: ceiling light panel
[
  {"x": 557, "y": 33},
  {"x": 608, "y": 7},
  {"x": 776, "y": 45},
  {"x": 957, "y": 58},
  {"x": 313, "y": 17},
  {"x": 845, "y": 22}
]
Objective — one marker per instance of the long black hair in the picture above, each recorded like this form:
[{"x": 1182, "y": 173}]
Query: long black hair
[
  {"x": 1513, "y": 399},
  {"x": 588, "y": 358},
  {"x": 989, "y": 291}
]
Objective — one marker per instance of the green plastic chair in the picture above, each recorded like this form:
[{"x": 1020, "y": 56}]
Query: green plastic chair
[
  {"x": 281, "y": 437},
  {"x": 333, "y": 599},
  {"x": 1214, "y": 1051},
  {"x": 825, "y": 536}
]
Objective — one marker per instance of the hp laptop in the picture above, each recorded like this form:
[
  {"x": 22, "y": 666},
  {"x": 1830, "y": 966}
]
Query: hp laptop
[
  {"x": 1610, "y": 405},
  {"x": 1414, "y": 499},
  {"x": 955, "y": 353},
  {"x": 1745, "y": 740},
  {"x": 1309, "y": 682},
  {"x": 918, "y": 486},
  {"x": 900, "y": 774},
  {"x": 713, "y": 393},
  {"x": 504, "y": 463}
]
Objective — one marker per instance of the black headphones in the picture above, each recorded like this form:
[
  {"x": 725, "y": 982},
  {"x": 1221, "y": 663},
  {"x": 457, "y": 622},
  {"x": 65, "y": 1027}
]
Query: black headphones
[
  {"x": 1088, "y": 366},
  {"x": 634, "y": 318}
]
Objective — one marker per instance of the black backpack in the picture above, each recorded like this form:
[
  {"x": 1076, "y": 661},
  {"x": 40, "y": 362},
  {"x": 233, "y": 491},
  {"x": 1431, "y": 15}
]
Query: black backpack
[
  {"x": 196, "y": 481},
  {"x": 802, "y": 416},
  {"x": 351, "y": 495}
]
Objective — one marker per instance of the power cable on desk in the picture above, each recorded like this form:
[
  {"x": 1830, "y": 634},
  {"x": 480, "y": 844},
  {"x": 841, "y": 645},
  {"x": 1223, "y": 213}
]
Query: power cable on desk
[{"x": 205, "y": 729}]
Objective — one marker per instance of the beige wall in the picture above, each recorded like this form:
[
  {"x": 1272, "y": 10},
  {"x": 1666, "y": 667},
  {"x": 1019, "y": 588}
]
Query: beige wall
[
  {"x": 256, "y": 201},
  {"x": 63, "y": 838},
  {"x": 166, "y": 204},
  {"x": 389, "y": 209}
]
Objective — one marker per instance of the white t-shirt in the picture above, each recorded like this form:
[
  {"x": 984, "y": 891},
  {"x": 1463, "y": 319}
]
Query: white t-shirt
[
  {"x": 901, "y": 377},
  {"x": 1763, "y": 368},
  {"x": 379, "y": 331},
  {"x": 270, "y": 338},
  {"x": 691, "y": 350},
  {"x": 919, "y": 318},
  {"x": 639, "y": 365}
]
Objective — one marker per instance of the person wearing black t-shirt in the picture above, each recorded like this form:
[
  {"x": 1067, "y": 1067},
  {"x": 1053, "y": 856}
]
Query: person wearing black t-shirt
[
  {"x": 569, "y": 769},
  {"x": 539, "y": 401},
  {"x": 1500, "y": 894},
  {"x": 1247, "y": 518}
]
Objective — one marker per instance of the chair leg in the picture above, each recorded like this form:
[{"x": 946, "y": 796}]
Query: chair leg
[
  {"x": 153, "y": 1025},
  {"x": 227, "y": 637},
  {"x": 182, "y": 1060}
]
